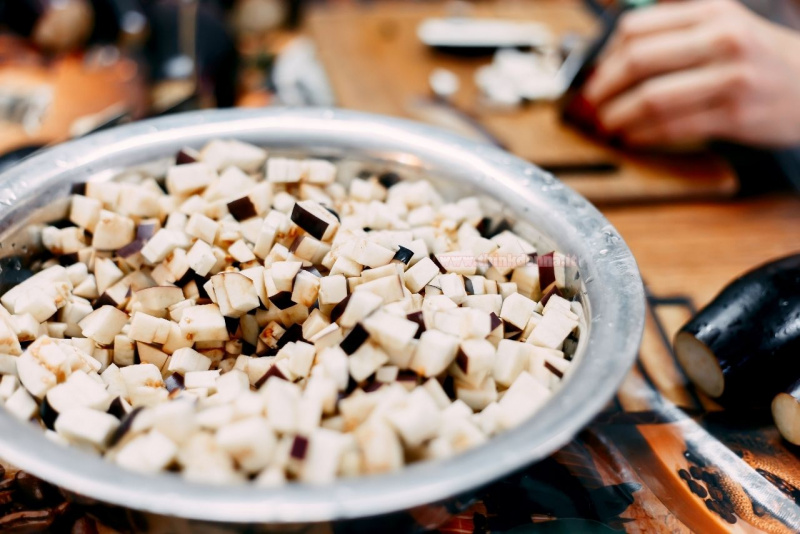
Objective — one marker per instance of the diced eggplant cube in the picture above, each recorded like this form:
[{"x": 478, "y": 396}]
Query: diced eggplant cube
[
  {"x": 517, "y": 310},
  {"x": 84, "y": 425},
  {"x": 183, "y": 180},
  {"x": 434, "y": 353},
  {"x": 103, "y": 324},
  {"x": 420, "y": 274},
  {"x": 203, "y": 323},
  {"x": 315, "y": 219},
  {"x": 354, "y": 339},
  {"x": 523, "y": 398}
]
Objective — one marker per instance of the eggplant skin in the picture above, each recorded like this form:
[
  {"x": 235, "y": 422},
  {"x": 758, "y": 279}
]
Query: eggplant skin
[
  {"x": 753, "y": 330},
  {"x": 794, "y": 390}
]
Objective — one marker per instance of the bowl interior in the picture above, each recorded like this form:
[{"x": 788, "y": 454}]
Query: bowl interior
[{"x": 538, "y": 207}]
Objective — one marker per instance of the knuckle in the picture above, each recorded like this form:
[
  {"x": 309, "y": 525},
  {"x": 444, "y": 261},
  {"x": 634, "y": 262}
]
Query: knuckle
[
  {"x": 635, "y": 63},
  {"x": 737, "y": 116},
  {"x": 741, "y": 79},
  {"x": 651, "y": 102},
  {"x": 672, "y": 130},
  {"x": 659, "y": 131},
  {"x": 731, "y": 39},
  {"x": 627, "y": 26}
]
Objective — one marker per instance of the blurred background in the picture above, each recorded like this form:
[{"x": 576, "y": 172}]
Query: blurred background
[
  {"x": 505, "y": 72},
  {"x": 498, "y": 71},
  {"x": 491, "y": 70}
]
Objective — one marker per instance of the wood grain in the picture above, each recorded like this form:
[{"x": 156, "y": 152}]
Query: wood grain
[
  {"x": 695, "y": 249},
  {"x": 376, "y": 63}
]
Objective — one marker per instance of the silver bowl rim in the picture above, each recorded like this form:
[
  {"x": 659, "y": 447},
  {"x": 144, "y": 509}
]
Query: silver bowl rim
[{"x": 616, "y": 296}]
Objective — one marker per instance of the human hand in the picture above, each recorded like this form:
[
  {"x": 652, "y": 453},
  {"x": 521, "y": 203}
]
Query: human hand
[{"x": 697, "y": 70}]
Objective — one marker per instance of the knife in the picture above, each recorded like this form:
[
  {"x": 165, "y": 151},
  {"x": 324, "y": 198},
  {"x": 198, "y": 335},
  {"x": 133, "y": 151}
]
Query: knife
[{"x": 580, "y": 64}]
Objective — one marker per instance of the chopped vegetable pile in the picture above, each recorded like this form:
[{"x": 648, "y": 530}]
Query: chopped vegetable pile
[{"x": 252, "y": 318}]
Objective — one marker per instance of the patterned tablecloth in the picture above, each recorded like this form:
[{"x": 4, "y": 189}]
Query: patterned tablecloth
[{"x": 660, "y": 458}]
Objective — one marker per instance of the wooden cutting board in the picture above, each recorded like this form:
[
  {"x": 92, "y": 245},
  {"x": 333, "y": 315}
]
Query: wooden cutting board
[{"x": 376, "y": 63}]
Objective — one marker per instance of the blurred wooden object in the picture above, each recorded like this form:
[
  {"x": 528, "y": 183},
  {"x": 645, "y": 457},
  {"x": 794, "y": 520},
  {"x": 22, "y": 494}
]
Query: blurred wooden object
[
  {"x": 376, "y": 63},
  {"x": 41, "y": 99}
]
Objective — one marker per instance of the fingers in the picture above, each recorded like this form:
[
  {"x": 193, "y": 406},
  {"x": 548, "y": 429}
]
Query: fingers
[
  {"x": 666, "y": 17},
  {"x": 696, "y": 126},
  {"x": 669, "y": 95},
  {"x": 647, "y": 57}
]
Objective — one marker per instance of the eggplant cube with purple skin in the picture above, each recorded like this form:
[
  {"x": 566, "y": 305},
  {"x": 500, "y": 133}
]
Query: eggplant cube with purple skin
[
  {"x": 315, "y": 219},
  {"x": 474, "y": 362},
  {"x": 517, "y": 310}
]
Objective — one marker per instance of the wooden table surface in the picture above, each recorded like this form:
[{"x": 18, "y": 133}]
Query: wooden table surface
[
  {"x": 375, "y": 62},
  {"x": 697, "y": 248}
]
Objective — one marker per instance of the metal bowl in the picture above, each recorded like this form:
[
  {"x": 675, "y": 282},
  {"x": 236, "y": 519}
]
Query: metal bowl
[{"x": 540, "y": 208}]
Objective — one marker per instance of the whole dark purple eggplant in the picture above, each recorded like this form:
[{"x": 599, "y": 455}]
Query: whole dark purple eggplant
[{"x": 744, "y": 347}]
